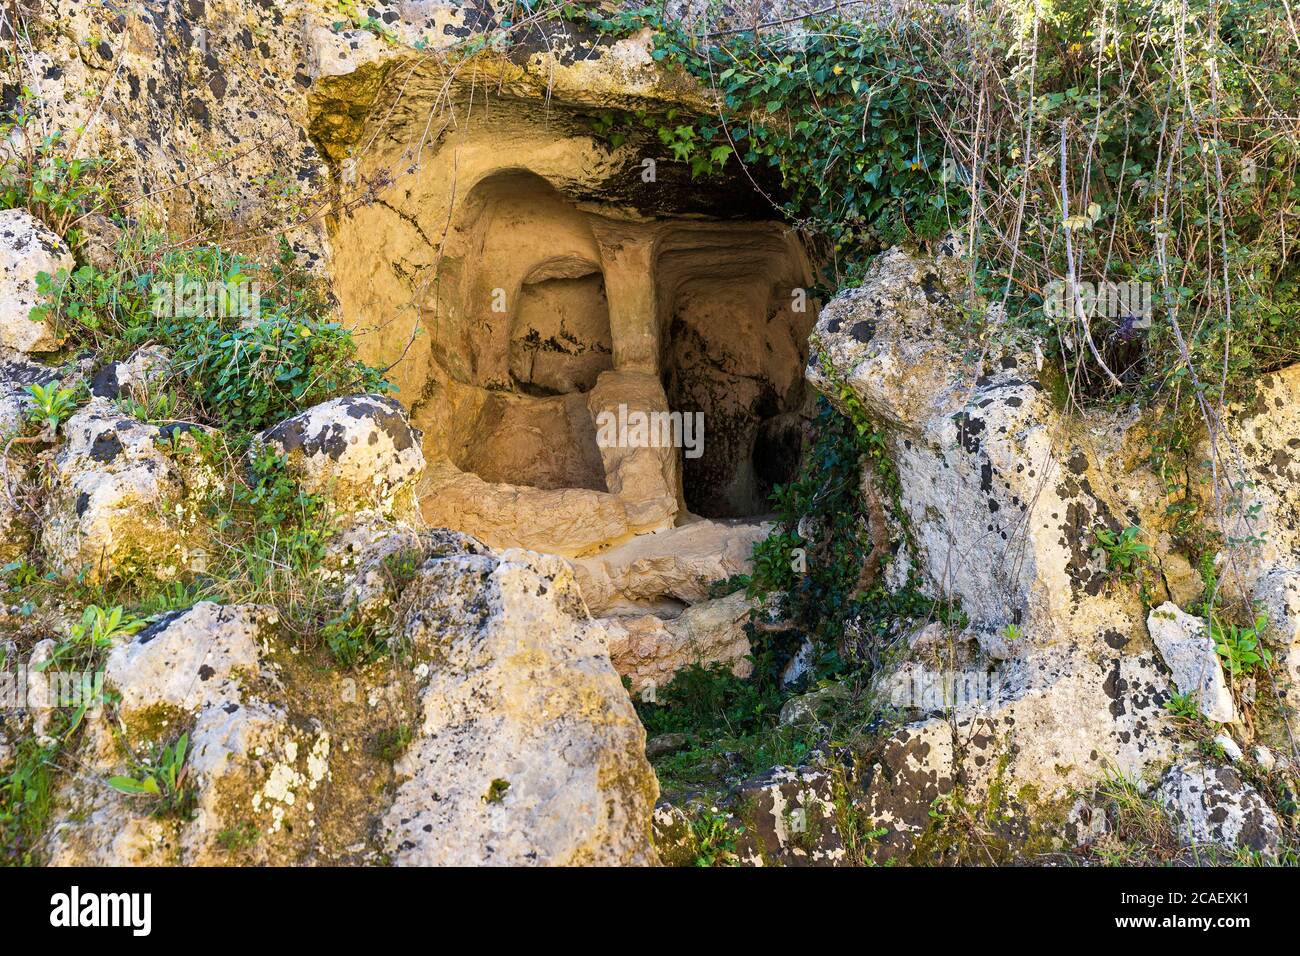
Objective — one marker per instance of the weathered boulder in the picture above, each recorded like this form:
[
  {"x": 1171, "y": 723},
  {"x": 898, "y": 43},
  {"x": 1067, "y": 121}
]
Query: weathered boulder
[
  {"x": 528, "y": 751},
  {"x": 661, "y": 571},
  {"x": 246, "y": 767},
  {"x": 1213, "y": 806},
  {"x": 359, "y": 451},
  {"x": 1255, "y": 457},
  {"x": 1004, "y": 498},
  {"x": 189, "y": 659},
  {"x": 807, "y": 708},
  {"x": 27, "y": 248},
  {"x": 649, "y": 650},
  {"x": 138, "y": 377},
  {"x": 125, "y": 497},
  {"x": 1278, "y": 592},
  {"x": 1188, "y": 650},
  {"x": 370, "y": 558},
  {"x": 15, "y": 520}
]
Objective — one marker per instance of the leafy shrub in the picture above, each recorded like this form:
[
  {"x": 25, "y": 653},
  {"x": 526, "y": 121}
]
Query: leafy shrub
[
  {"x": 38, "y": 175},
  {"x": 244, "y": 372}
]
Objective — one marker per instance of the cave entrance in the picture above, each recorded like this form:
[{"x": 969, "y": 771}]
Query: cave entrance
[
  {"x": 737, "y": 316},
  {"x": 525, "y": 283},
  {"x": 536, "y": 328}
]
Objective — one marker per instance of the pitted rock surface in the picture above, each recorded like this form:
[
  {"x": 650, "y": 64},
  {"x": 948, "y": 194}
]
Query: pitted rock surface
[
  {"x": 527, "y": 738},
  {"x": 125, "y": 497},
  {"x": 1213, "y": 806},
  {"x": 27, "y": 248},
  {"x": 358, "y": 450}
]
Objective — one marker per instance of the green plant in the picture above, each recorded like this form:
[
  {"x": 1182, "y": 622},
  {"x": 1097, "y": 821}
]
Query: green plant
[
  {"x": 26, "y": 791},
  {"x": 94, "y": 634},
  {"x": 1241, "y": 649},
  {"x": 352, "y": 640},
  {"x": 1122, "y": 552},
  {"x": 285, "y": 520},
  {"x": 164, "y": 779},
  {"x": 241, "y": 836},
  {"x": 496, "y": 791},
  {"x": 20, "y": 574},
  {"x": 716, "y": 838},
  {"x": 775, "y": 563},
  {"x": 54, "y": 404},
  {"x": 391, "y": 742},
  {"x": 1183, "y": 707},
  {"x": 253, "y": 341},
  {"x": 38, "y": 174}
]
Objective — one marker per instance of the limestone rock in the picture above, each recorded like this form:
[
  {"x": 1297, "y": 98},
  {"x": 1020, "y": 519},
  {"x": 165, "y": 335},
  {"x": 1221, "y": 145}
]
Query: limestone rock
[
  {"x": 1189, "y": 652},
  {"x": 27, "y": 247},
  {"x": 529, "y": 751},
  {"x": 569, "y": 521},
  {"x": 99, "y": 237},
  {"x": 650, "y": 650},
  {"x": 652, "y": 571},
  {"x": 1258, "y": 460},
  {"x": 189, "y": 659},
  {"x": 1004, "y": 498},
  {"x": 370, "y": 558},
  {"x": 125, "y": 497},
  {"x": 665, "y": 744},
  {"x": 1214, "y": 806},
  {"x": 143, "y": 375},
  {"x": 247, "y": 765},
  {"x": 360, "y": 451},
  {"x": 1278, "y": 592},
  {"x": 805, "y": 708}
]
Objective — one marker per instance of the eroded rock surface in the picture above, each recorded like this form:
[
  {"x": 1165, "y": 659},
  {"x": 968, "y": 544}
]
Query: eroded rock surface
[
  {"x": 650, "y": 650},
  {"x": 1004, "y": 499},
  {"x": 676, "y": 566},
  {"x": 528, "y": 751},
  {"x": 359, "y": 451},
  {"x": 1187, "y": 648},
  {"x": 27, "y": 248},
  {"x": 1213, "y": 807},
  {"x": 246, "y": 764},
  {"x": 125, "y": 497}
]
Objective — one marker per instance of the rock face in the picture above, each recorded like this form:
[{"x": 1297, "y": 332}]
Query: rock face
[
  {"x": 144, "y": 374},
  {"x": 649, "y": 650},
  {"x": 189, "y": 659},
  {"x": 526, "y": 749},
  {"x": 1004, "y": 499},
  {"x": 1187, "y": 648},
  {"x": 1213, "y": 807},
  {"x": 529, "y": 751},
  {"x": 27, "y": 248},
  {"x": 1256, "y": 455},
  {"x": 1279, "y": 594},
  {"x": 15, "y": 519},
  {"x": 124, "y": 497},
  {"x": 247, "y": 766},
  {"x": 674, "y": 567},
  {"x": 359, "y": 451}
]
